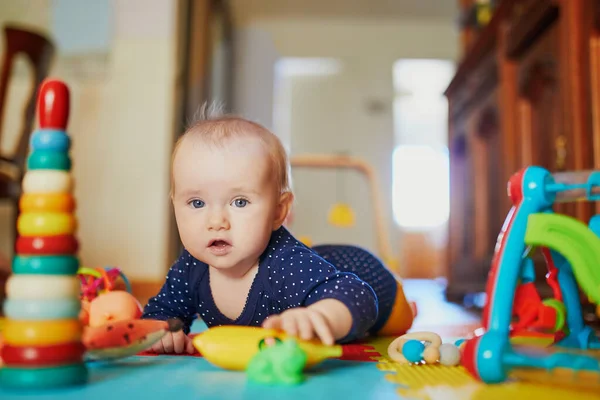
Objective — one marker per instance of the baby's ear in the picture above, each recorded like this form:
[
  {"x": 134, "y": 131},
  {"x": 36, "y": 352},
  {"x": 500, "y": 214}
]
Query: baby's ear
[{"x": 283, "y": 208}]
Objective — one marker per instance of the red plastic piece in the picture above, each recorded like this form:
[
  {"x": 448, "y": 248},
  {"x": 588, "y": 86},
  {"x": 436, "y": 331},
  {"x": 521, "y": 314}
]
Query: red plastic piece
[
  {"x": 531, "y": 312},
  {"x": 515, "y": 193},
  {"x": 359, "y": 352},
  {"x": 552, "y": 275},
  {"x": 469, "y": 356},
  {"x": 65, "y": 353},
  {"x": 47, "y": 245},
  {"x": 53, "y": 105}
]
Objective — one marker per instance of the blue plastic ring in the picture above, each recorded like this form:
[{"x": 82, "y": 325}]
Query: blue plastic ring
[
  {"x": 22, "y": 309},
  {"x": 46, "y": 265},
  {"x": 50, "y": 139},
  {"x": 43, "y": 378},
  {"x": 46, "y": 159}
]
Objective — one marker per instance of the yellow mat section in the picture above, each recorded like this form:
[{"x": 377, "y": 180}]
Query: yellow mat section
[{"x": 437, "y": 382}]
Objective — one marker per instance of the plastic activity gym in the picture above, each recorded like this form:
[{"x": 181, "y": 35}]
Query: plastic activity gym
[{"x": 62, "y": 317}]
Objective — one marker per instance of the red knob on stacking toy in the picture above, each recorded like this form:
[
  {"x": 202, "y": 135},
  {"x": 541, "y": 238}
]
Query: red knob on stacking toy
[{"x": 53, "y": 105}]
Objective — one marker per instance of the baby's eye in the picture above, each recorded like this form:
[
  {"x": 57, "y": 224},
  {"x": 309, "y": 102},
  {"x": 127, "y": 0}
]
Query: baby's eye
[
  {"x": 197, "y": 203},
  {"x": 240, "y": 203}
]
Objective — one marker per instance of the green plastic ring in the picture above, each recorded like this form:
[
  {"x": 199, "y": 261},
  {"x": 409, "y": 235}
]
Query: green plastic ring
[
  {"x": 43, "y": 378},
  {"x": 47, "y": 265},
  {"x": 47, "y": 159},
  {"x": 561, "y": 313}
]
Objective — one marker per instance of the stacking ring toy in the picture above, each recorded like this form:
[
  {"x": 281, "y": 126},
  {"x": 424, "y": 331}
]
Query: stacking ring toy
[
  {"x": 47, "y": 265},
  {"x": 46, "y": 224},
  {"x": 52, "y": 377},
  {"x": 47, "y": 159},
  {"x": 41, "y": 333},
  {"x": 47, "y": 181},
  {"x": 43, "y": 356},
  {"x": 42, "y": 287},
  {"x": 430, "y": 353},
  {"x": 50, "y": 139},
  {"x": 45, "y": 245},
  {"x": 57, "y": 202},
  {"x": 20, "y": 309}
]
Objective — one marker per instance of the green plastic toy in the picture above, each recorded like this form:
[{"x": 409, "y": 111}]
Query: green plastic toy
[{"x": 281, "y": 363}]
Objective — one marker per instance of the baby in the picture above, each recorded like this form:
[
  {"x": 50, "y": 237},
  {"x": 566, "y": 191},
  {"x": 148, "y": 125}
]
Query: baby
[{"x": 240, "y": 266}]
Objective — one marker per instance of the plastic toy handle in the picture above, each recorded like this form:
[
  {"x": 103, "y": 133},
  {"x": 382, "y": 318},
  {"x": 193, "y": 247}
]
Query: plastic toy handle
[{"x": 575, "y": 241}]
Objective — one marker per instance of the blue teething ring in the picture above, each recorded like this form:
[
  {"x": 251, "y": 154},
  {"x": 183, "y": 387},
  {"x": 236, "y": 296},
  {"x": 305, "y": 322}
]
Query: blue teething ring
[
  {"x": 47, "y": 265},
  {"x": 23, "y": 309},
  {"x": 42, "y": 378},
  {"x": 125, "y": 280},
  {"x": 46, "y": 159},
  {"x": 50, "y": 139}
]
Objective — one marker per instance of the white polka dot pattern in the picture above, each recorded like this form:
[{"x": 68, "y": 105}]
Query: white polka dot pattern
[{"x": 289, "y": 275}]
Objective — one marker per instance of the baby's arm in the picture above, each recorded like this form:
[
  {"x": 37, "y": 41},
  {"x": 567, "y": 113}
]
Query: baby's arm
[
  {"x": 322, "y": 297},
  {"x": 175, "y": 298},
  {"x": 337, "y": 315}
]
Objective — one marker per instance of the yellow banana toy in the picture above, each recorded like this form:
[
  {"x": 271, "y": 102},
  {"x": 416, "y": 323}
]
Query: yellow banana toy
[{"x": 232, "y": 347}]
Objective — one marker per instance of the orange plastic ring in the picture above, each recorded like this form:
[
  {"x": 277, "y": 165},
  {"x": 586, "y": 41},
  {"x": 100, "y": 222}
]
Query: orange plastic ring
[
  {"x": 40, "y": 202},
  {"x": 108, "y": 286},
  {"x": 41, "y": 333}
]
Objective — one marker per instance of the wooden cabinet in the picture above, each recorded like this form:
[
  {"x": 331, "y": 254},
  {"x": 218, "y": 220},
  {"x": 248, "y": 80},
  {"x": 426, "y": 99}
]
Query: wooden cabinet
[{"x": 527, "y": 92}]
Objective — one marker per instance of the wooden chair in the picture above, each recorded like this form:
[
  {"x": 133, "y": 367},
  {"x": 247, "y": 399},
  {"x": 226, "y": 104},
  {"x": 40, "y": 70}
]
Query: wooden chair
[{"x": 39, "y": 51}]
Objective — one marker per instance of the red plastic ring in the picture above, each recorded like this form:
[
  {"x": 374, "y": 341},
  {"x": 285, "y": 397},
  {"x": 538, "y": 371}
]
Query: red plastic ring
[
  {"x": 64, "y": 353},
  {"x": 56, "y": 245}
]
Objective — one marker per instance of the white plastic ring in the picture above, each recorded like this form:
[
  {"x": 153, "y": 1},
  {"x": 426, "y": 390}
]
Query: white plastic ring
[
  {"x": 42, "y": 287},
  {"x": 47, "y": 181}
]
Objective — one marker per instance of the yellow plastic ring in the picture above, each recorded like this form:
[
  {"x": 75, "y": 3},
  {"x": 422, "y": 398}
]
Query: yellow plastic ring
[
  {"x": 46, "y": 224},
  {"x": 395, "y": 348},
  {"x": 40, "y": 287},
  {"x": 44, "y": 202},
  {"x": 41, "y": 333},
  {"x": 47, "y": 181}
]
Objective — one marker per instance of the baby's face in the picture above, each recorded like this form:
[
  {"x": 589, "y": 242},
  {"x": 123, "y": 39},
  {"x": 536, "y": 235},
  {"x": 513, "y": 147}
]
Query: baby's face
[{"x": 225, "y": 201}]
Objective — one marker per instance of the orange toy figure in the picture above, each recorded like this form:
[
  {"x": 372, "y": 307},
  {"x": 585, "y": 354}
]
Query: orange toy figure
[{"x": 113, "y": 306}]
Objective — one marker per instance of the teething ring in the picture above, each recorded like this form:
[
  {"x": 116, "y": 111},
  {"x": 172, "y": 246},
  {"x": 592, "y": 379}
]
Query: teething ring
[{"x": 395, "y": 348}]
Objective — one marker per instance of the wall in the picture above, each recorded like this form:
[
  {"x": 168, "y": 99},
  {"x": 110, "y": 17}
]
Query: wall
[
  {"x": 122, "y": 119},
  {"x": 333, "y": 113}
]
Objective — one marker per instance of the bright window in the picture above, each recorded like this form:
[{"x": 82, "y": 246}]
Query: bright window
[
  {"x": 420, "y": 160},
  {"x": 420, "y": 187}
]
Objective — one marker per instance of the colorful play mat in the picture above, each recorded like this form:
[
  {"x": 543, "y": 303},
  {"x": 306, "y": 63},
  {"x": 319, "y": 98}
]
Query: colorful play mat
[{"x": 362, "y": 372}]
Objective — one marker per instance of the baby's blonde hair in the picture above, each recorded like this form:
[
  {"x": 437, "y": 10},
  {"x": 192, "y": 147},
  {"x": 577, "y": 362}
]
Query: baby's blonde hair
[{"x": 215, "y": 127}]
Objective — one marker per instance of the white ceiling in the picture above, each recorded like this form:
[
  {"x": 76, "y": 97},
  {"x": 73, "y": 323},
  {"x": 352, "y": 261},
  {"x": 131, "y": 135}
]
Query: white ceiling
[{"x": 242, "y": 10}]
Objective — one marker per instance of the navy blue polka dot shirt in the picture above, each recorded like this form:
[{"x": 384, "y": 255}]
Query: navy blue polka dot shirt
[{"x": 289, "y": 275}]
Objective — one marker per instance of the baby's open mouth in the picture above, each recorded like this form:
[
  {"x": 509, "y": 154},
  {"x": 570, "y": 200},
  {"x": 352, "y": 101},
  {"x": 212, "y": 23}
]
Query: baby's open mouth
[
  {"x": 218, "y": 243},
  {"x": 219, "y": 247}
]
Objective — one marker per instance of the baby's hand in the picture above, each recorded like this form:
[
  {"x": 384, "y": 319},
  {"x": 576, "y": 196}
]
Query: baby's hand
[
  {"x": 303, "y": 322},
  {"x": 174, "y": 342}
]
